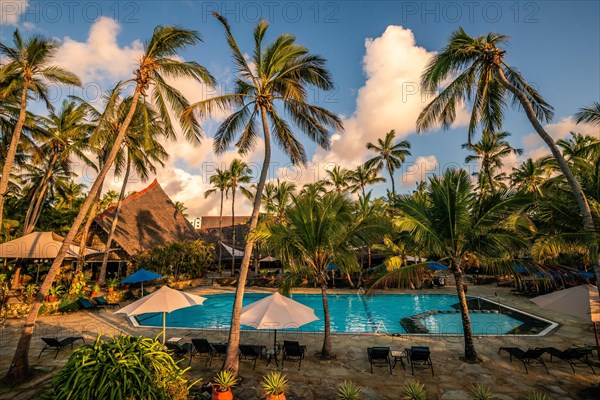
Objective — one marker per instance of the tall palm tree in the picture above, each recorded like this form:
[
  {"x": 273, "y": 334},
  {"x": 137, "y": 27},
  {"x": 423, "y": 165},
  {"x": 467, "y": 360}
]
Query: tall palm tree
[
  {"x": 284, "y": 192},
  {"x": 279, "y": 77},
  {"x": 160, "y": 60},
  {"x": 531, "y": 175},
  {"x": 363, "y": 176},
  {"x": 339, "y": 178},
  {"x": 479, "y": 72},
  {"x": 489, "y": 152},
  {"x": 70, "y": 194},
  {"x": 30, "y": 64},
  {"x": 589, "y": 115},
  {"x": 390, "y": 155},
  {"x": 180, "y": 206},
  {"x": 239, "y": 173},
  {"x": 220, "y": 183},
  {"x": 451, "y": 223}
]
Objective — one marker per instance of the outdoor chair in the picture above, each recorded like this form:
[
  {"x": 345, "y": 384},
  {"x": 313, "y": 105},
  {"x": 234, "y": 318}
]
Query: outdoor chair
[
  {"x": 102, "y": 302},
  {"x": 202, "y": 348},
  {"x": 251, "y": 352},
  {"x": 85, "y": 304},
  {"x": 58, "y": 345},
  {"x": 179, "y": 350},
  {"x": 574, "y": 356},
  {"x": 220, "y": 349},
  {"x": 292, "y": 351},
  {"x": 379, "y": 356},
  {"x": 531, "y": 357},
  {"x": 419, "y": 355}
]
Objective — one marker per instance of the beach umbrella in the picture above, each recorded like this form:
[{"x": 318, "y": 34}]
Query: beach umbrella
[
  {"x": 141, "y": 276},
  {"x": 268, "y": 259},
  {"x": 580, "y": 301},
  {"x": 435, "y": 266},
  {"x": 276, "y": 311},
  {"x": 164, "y": 300}
]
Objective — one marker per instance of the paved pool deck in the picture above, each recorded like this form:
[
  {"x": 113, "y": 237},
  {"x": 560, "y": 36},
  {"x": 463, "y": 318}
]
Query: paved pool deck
[{"x": 318, "y": 379}]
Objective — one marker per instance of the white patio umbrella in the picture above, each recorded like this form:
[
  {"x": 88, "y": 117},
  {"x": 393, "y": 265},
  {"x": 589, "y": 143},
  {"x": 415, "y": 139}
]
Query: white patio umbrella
[
  {"x": 164, "y": 300},
  {"x": 580, "y": 301},
  {"x": 276, "y": 311}
]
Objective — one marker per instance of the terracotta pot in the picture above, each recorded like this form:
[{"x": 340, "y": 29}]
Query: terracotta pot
[
  {"x": 276, "y": 397},
  {"x": 222, "y": 395},
  {"x": 94, "y": 294},
  {"x": 110, "y": 289},
  {"x": 51, "y": 298}
]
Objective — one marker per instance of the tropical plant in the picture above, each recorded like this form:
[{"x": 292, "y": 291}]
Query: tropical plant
[
  {"x": 279, "y": 77},
  {"x": 28, "y": 67},
  {"x": 363, "y": 176},
  {"x": 531, "y": 176},
  {"x": 180, "y": 206},
  {"x": 224, "y": 380},
  {"x": 142, "y": 369},
  {"x": 157, "y": 62},
  {"x": 239, "y": 173},
  {"x": 348, "y": 390},
  {"x": 339, "y": 178},
  {"x": 589, "y": 115},
  {"x": 274, "y": 384},
  {"x": 536, "y": 396},
  {"x": 177, "y": 258},
  {"x": 389, "y": 155},
  {"x": 479, "y": 73},
  {"x": 482, "y": 392},
  {"x": 220, "y": 183},
  {"x": 414, "y": 390},
  {"x": 112, "y": 282}
]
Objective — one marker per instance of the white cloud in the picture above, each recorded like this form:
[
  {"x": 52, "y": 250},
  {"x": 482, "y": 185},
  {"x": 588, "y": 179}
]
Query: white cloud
[
  {"x": 11, "y": 10},
  {"x": 420, "y": 170}
]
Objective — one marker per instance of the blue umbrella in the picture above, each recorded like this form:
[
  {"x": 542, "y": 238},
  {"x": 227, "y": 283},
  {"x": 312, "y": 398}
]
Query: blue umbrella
[
  {"x": 519, "y": 268},
  {"x": 435, "y": 266},
  {"x": 332, "y": 267},
  {"x": 585, "y": 274},
  {"x": 141, "y": 276}
]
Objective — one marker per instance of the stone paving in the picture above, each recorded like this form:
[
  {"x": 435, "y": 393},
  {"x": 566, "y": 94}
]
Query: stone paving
[{"x": 317, "y": 379}]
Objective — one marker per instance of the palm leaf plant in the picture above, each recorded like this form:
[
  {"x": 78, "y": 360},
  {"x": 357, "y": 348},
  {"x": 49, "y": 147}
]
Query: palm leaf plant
[
  {"x": 238, "y": 173},
  {"x": 274, "y": 385},
  {"x": 413, "y": 390},
  {"x": 220, "y": 182},
  {"x": 390, "y": 155},
  {"x": 348, "y": 390}
]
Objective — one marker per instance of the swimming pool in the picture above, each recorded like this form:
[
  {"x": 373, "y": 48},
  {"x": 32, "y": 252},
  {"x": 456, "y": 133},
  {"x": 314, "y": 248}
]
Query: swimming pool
[{"x": 351, "y": 313}]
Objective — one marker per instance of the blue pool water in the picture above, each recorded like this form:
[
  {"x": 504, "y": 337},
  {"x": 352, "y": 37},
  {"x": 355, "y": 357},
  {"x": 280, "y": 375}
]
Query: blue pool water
[{"x": 349, "y": 313}]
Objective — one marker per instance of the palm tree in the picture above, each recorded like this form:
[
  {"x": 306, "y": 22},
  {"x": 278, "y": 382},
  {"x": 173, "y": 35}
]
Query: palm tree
[
  {"x": 451, "y": 223},
  {"x": 317, "y": 231},
  {"x": 238, "y": 173},
  {"x": 531, "y": 176},
  {"x": 281, "y": 73},
  {"x": 180, "y": 206},
  {"x": 489, "y": 152},
  {"x": 479, "y": 72},
  {"x": 70, "y": 194},
  {"x": 363, "y": 176},
  {"x": 284, "y": 192},
  {"x": 29, "y": 63},
  {"x": 220, "y": 183},
  {"x": 339, "y": 178},
  {"x": 589, "y": 115},
  {"x": 158, "y": 61},
  {"x": 390, "y": 155}
]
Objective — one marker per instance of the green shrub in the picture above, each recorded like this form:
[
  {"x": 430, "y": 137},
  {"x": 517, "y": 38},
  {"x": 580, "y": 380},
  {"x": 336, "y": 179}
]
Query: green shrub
[
  {"x": 482, "y": 392},
  {"x": 414, "y": 390},
  {"x": 125, "y": 368},
  {"x": 348, "y": 390},
  {"x": 536, "y": 396},
  {"x": 274, "y": 383}
]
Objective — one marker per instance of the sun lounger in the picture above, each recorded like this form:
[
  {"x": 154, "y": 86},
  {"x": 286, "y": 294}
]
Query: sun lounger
[
  {"x": 202, "y": 348},
  {"x": 531, "y": 357},
  {"x": 85, "y": 304},
  {"x": 251, "y": 352},
  {"x": 293, "y": 351},
  {"x": 379, "y": 356},
  {"x": 58, "y": 345},
  {"x": 574, "y": 356},
  {"x": 179, "y": 350},
  {"x": 419, "y": 355},
  {"x": 102, "y": 302}
]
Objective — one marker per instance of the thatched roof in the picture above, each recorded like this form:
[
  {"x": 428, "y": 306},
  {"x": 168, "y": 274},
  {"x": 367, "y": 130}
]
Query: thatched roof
[
  {"x": 209, "y": 221},
  {"x": 147, "y": 219}
]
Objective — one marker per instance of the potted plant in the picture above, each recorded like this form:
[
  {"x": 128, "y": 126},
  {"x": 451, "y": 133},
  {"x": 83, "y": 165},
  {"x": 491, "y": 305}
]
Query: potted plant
[
  {"x": 29, "y": 293},
  {"x": 95, "y": 290},
  {"x": 222, "y": 384},
  {"x": 348, "y": 390},
  {"x": 53, "y": 292},
  {"x": 111, "y": 284},
  {"x": 274, "y": 385}
]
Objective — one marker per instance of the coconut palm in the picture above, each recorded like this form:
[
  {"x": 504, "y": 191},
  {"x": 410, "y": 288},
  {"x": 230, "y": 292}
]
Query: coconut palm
[
  {"x": 158, "y": 62},
  {"x": 30, "y": 65},
  {"x": 390, "y": 155},
  {"x": 481, "y": 76},
  {"x": 277, "y": 82},
  {"x": 589, "y": 115},
  {"x": 489, "y": 152},
  {"x": 220, "y": 183},
  {"x": 450, "y": 222},
  {"x": 238, "y": 173},
  {"x": 284, "y": 192},
  {"x": 531, "y": 176},
  {"x": 339, "y": 178},
  {"x": 363, "y": 176},
  {"x": 180, "y": 206},
  {"x": 70, "y": 193}
]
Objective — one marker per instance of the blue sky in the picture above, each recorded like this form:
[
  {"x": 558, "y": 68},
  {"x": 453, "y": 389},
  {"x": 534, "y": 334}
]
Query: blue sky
[{"x": 375, "y": 51}]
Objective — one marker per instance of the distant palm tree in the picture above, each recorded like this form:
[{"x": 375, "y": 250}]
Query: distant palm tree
[
  {"x": 179, "y": 206},
  {"x": 390, "y": 155},
  {"x": 531, "y": 175},
  {"x": 70, "y": 193},
  {"x": 339, "y": 178},
  {"x": 363, "y": 176},
  {"x": 481, "y": 77},
  {"x": 277, "y": 81},
  {"x": 220, "y": 183},
  {"x": 239, "y": 173},
  {"x": 284, "y": 193},
  {"x": 589, "y": 115},
  {"x": 158, "y": 61},
  {"x": 29, "y": 65}
]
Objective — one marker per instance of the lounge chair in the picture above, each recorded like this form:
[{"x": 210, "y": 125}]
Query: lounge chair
[
  {"x": 220, "y": 349},
  {"x": 58, "y": 345},
  {"x": 179, "y": 350},
  {"x": 419, "y": 355},
  {"x": 379, "y": 356},
  {"x": 251, "y": 352},
  {"x": 202, "y": 348},
  {"x": 85, "y": 304},
  {"x": 293, "y": 351},
  {"x": 531, "y": 357},
  {"x": 102, "y": 302},
  {"x": 574, "y": 356}
]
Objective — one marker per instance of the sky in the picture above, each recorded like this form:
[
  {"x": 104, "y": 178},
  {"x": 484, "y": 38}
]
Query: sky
[{"x": 375, "y": 50}]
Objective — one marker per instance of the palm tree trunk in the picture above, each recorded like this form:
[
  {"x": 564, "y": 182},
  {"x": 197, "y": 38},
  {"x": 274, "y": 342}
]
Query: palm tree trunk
[
  {"x": 86, "y": 229},
  {"x": 221, "y": 232},
  {"x": 470, "y": 353},
  {"x": 113, "y": 226},
  {"x": 393, "y": 183},
  {"x": 231, "y": 362},
  {"x": 584, "y": 207},
  {"x": 19, "y": 367},
  {"x": 233, "y": 231},
  {"x": 12, "y": 148},
  {"x": 32, "y": 217},
  {"x": 327, "y": 350}
]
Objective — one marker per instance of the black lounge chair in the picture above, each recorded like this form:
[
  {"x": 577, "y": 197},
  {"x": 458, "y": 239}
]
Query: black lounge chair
[
  {"x": 293, "y": 351},
  {"x": 202, "y": 348},
  {"x": 58, "y": 345},
  {"x": 574, "y": 356},
  {"x": 251, "y": 352},
  {"x": 531, "y": 357},
  {"x": 179, "y": 350},
  {"x": 85, "y": 304},
  {"x": 220, "y": 349},
  {"x": 102, "y": 302},
  {"x": 379, "y": 356},
  {"x": 419, "y": 355}
]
